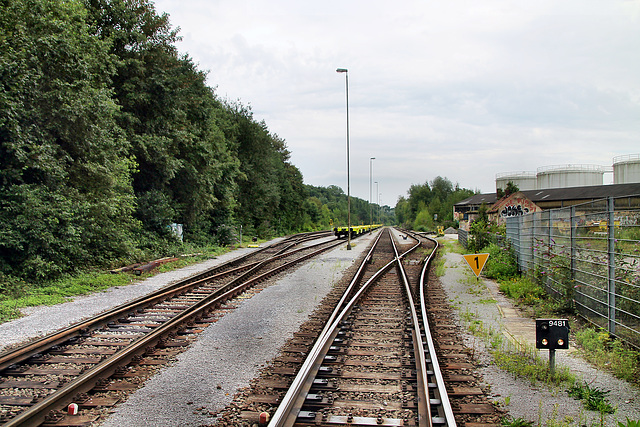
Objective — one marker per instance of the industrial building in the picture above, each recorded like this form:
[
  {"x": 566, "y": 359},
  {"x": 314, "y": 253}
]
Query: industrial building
[{"x": 554, "y": 187}]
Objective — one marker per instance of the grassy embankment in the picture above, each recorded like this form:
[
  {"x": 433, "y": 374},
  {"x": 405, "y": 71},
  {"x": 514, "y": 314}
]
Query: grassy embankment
[{"x": 17, "y": 294}]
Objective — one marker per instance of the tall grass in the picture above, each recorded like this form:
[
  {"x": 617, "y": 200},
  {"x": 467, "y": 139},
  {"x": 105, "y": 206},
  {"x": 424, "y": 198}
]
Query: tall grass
[{"x": 605, "y": 352}]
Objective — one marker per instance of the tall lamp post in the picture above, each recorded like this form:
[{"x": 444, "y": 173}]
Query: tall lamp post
[
  {"x": 378, "y": 202},
  {"x": 346, "y": 80},
  {"x": 371, "y": 159}
]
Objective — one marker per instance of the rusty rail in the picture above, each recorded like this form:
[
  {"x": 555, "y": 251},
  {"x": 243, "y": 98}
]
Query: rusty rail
[{"x": 37, "y": 413}]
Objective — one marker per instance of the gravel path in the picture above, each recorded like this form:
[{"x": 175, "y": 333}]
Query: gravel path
[{"x": 537, "y": 403}]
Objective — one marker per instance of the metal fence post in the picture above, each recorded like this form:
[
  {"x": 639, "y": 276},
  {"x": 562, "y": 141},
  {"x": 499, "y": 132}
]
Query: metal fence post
[
  {"x": 597, "y": 271},
  {"x": 513, "y": 238},
  {"x": 611, "y": 291},
  {"x": 574, "y": 239},
  {"x": 550, "y": 284},
  {"x": 526, "y": 242},
  {"x": 534, "y": 231}
]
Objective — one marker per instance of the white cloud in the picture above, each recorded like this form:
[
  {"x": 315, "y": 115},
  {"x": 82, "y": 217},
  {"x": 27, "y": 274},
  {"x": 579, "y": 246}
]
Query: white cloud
[{"x": 461, "y": 89}]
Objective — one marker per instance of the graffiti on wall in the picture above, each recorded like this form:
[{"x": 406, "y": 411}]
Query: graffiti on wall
[
  {"x": 517, "y": 206},
  {"x": 518, "y": 210}
]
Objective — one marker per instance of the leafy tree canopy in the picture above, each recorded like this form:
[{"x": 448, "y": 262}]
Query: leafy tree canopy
[
  {"x": 65, "y": 186},
  {"x": 108, "y": 136},
  {"x": 430, "y": 204}
]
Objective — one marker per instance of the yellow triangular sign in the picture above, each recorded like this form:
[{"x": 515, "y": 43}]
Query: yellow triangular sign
[{"x": 476, "y": 262}]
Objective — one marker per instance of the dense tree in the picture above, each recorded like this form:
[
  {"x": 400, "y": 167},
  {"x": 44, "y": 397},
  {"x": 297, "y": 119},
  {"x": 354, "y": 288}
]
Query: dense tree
[
  {"x": 65, "y": 191},
  {"x": 441, "y": 188},
  {"x": 430, "y": 204},
  {"x": 108, "y": 135},
  {"x": 293, "y": 197},
  {"x": 403, "y": 211},
  {"x": 479, "y": 230},
  {"x": 327, "y": 206},
  {"x": 419, "y": 196},
  {"x": 270, "y": 194},
  {"x": 510, "y": 188},
  {"x": 170, "y": 117}
]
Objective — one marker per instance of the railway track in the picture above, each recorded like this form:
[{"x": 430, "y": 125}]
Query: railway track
[
  {"x": 383, "y": 349},
  {"x": 371, "y": 365},
  {"x": 38, "y": 380}
]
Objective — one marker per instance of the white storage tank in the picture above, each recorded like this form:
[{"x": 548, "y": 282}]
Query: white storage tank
[
  {"x": 522, "y": 180},
  {"x": 626, "y": 169},
  {"x": 564, "y": 176}
]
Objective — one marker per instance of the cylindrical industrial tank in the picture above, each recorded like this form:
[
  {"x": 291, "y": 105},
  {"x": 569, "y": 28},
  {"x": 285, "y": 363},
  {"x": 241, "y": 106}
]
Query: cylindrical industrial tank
[
  {"x": 626, "y": 169},
  {"x": 564, "y": 176},
  {"x": 522, "y": 180}
]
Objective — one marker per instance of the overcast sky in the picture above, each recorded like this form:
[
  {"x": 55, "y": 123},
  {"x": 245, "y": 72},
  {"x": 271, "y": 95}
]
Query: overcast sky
[{"x": 462, "y": 89}]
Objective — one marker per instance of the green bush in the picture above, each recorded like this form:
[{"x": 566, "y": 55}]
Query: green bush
[
  {"x": 523, "y": 290},
  {"x": 424, "y": 221},
  {"x": 592, "y": 398},
  {"x": 630, "y": 423},
  {"x": 532, "y": 368},
  {"x": 516, "y": 422},
  {"x": 501, "y": 264},
  {"x": 478, "y": 236}
]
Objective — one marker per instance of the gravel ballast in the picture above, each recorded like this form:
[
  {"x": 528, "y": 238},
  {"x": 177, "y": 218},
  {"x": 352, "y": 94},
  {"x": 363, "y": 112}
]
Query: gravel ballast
[
  {"x": 41, "y": 320},
  {"x": 230, "y": 352},
  {"x": 228, "y": 355}
]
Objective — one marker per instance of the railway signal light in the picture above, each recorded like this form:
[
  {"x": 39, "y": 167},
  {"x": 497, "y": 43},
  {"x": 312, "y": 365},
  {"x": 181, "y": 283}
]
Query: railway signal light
[{"x": 552, "y": 334}]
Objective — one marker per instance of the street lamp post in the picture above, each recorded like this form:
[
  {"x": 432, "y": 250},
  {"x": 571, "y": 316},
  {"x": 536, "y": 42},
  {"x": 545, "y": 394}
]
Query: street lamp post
[
  {"x": 346, "y": 80},
  {"x": 371, "y": 159},
  {"x": 378, "y": 202}
]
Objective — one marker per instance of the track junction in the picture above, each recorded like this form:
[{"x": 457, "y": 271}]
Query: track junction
[{"x": 94, "y": 363}]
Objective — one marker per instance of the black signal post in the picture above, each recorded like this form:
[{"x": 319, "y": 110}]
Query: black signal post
[{"x": 552, "y": 334}]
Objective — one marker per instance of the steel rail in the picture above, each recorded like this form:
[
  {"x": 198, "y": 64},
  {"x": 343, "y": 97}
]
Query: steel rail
[
  {"x": 25, "y": 351},
  {"x": 444, "y": 403},
  {"x": 449, "y": 419},
  {"x": 287, "y": 412},
  {"x": 36, "y": 414},
  {"x": 301, "y": 238},
  {"x": 356, "y": 278},
  {"x": 424, "y": 404}
]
